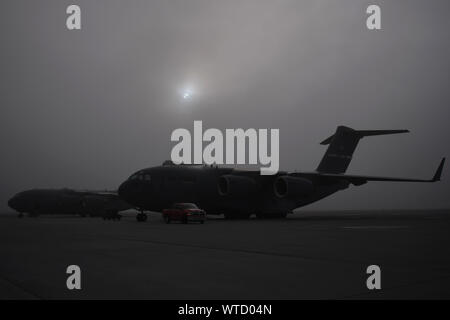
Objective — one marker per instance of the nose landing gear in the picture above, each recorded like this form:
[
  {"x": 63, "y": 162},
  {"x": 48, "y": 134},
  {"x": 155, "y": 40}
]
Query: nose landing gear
[{"x": 141, "y": 217}]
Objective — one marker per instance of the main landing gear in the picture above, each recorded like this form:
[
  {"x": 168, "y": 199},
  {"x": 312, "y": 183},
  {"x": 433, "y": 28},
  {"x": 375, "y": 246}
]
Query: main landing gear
[
  {"x": 271, "y": 215},
  {"x": 141, "y": 217}
]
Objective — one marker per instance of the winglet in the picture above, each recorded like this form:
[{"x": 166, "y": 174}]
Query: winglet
[{"x": 437, "y": 175}]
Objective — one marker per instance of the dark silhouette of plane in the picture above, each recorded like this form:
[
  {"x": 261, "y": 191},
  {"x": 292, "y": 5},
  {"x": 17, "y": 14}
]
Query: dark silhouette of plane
[
  {"x": 239, "y": 193},
  {"x": 66, "y": 201}
]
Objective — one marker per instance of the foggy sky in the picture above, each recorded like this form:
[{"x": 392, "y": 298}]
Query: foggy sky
[{"x": 85, "y": 109}]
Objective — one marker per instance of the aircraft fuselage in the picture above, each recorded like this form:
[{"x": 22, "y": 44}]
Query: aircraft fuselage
[{"x": 245, "y": 192}]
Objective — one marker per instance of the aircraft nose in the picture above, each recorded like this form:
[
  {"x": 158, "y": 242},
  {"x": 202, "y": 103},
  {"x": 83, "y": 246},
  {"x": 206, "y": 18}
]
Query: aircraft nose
[
  {"x": 123, "y": 191},
  {"x": 12, "y": 203}
]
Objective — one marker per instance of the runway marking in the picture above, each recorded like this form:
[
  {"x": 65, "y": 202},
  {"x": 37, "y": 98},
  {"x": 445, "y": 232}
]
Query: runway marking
[{"x": 375, "y": 227}]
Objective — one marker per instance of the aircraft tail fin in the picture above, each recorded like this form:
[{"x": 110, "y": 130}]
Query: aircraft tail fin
[{"x": 342, "y": 144}]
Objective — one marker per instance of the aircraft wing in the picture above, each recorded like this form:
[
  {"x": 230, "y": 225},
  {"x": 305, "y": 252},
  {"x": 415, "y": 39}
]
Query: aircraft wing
[{"x": 359, "y": 180}]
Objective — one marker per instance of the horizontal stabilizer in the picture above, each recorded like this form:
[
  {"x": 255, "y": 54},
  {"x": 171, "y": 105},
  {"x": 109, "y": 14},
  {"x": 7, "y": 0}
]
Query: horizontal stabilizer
[{"x": 365, "y": 133}]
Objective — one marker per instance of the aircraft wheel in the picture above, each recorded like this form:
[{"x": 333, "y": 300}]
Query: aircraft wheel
[
  {"x": 20, "y": 215},
  {"x": 141, "y": 217},
  {"x": 202, "y": 222},
  {"x": 166, "y": 219}
]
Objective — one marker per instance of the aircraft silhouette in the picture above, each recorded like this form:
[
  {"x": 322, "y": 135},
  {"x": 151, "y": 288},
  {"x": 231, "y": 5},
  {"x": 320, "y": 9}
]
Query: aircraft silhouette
[
  {"x": 240, "y": 193},
  {"x": 36, "y": 202}
]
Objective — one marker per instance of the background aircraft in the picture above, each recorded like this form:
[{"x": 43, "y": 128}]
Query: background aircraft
[
  {"x": 239, "y": 193},
  {"x": 66, "y": 201}
]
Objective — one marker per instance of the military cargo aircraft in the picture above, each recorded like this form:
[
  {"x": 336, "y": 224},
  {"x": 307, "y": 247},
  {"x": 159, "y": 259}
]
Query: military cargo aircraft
[
  {"x": 35, "y": 202},
  {"x": 240, "y": 193}
]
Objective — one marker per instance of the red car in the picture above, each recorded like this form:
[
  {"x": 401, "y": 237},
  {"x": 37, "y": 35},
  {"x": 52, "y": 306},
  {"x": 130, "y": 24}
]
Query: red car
[{"x": 184, "y": 212}]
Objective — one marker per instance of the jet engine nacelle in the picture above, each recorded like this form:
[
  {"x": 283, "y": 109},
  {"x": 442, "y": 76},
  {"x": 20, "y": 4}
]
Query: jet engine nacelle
[
  {"x": 286, "y": 186},
  {"x": 236, "y": 186}
]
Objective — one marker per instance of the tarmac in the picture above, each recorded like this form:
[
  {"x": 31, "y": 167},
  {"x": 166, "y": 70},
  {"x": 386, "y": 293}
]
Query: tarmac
[{"x": 309, "y": 255}]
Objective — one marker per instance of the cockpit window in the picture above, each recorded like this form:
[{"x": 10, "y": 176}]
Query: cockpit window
[
  {"x": 137, "y": 176},
  {"x": 140, "y": 176}
]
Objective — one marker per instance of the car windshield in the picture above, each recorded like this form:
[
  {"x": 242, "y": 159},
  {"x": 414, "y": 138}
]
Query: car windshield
[{"x": 186, "y": 206}]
